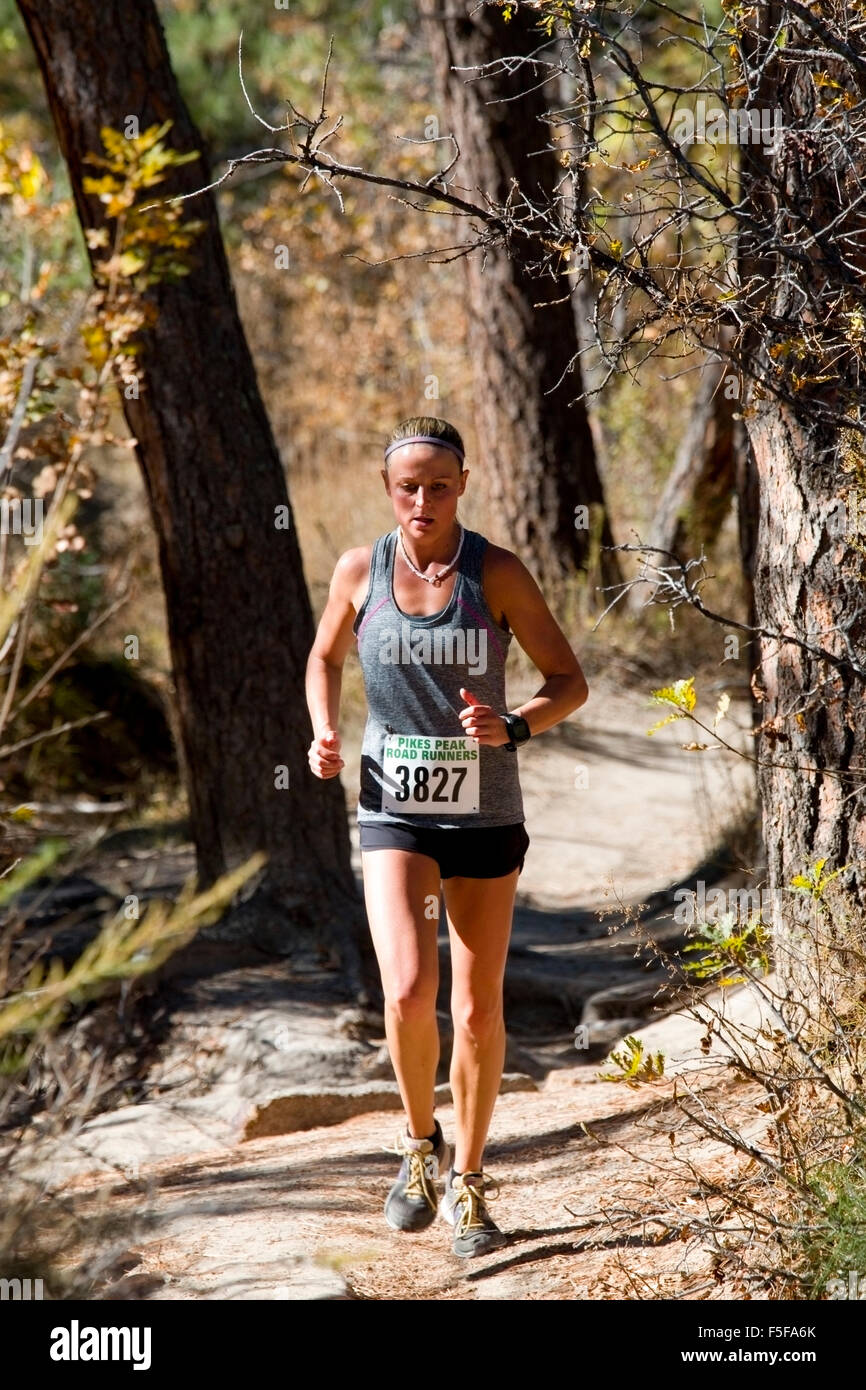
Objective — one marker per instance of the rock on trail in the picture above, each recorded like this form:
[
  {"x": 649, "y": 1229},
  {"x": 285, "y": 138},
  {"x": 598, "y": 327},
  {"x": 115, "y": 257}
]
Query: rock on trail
[
  {"x": 299, "y": 1216},
  {"x": 256, "y": 1167}
]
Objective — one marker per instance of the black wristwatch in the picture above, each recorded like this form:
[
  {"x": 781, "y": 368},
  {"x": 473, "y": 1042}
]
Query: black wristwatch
[{"x": 518, "y": 730}]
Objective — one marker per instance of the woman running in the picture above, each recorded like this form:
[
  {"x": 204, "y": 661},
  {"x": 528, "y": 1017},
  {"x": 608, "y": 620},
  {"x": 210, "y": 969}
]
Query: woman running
[{"x": 434, "y": 608}]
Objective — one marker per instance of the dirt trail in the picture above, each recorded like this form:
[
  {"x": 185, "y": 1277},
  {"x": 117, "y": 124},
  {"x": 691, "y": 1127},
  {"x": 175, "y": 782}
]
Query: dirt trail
[
  {"x": 299, "y": 1216},
  {"x": 611, "y": 814}
]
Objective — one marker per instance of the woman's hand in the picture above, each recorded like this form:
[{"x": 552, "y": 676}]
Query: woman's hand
[
  {"x": 481, "y": 722},
  {"x": 324, "y": 754}
]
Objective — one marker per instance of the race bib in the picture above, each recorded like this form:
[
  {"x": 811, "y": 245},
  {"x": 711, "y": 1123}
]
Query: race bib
[{"x": 430, "y": 776}]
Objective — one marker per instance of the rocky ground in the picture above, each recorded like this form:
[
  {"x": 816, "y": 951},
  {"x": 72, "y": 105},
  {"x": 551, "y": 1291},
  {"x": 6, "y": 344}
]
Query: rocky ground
[
  {"x": 597, "y": 1185},
  {"x": 254, "y": 1164}
]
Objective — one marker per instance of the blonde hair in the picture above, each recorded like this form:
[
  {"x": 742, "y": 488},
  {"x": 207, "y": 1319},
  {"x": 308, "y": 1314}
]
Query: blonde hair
[{"x": 431, "y": 426}]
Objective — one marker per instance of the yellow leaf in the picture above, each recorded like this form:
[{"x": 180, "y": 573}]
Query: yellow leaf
[
  {"x": 669, "y": 719},
  {"x": 150, "y": 138},
  {"x": 95, "y": 343},
  {"x": 114, "y": 142},
  {"x": 116, "y": 203},
  {"x": 32, "y": 178},
  {"x": 107, "y": 184},
  {"x": 130, "y": 263},
  {"x": 681, "y": 694}
]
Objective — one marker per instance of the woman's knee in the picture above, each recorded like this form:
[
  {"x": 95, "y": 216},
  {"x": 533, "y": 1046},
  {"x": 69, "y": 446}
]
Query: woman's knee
[
  {"x": 479, "y": 1020},
  {"x": 411, "y": 1001}
]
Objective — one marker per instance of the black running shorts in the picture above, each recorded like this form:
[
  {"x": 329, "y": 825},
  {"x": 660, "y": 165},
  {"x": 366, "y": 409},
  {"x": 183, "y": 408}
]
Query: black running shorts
[{"x": 486, "y": 852}]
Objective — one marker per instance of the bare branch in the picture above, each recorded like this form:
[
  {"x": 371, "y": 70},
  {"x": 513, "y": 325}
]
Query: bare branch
[{"x": 672, "y": 582}]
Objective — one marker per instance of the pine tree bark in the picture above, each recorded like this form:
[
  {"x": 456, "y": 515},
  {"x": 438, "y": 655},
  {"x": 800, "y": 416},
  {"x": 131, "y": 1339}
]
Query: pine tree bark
[
  {"x": 809, "y": 552},
  {"x": 537, "y": 449},
  {"x": 238, "y": 613},
  {"x": 812, "y": 747}
]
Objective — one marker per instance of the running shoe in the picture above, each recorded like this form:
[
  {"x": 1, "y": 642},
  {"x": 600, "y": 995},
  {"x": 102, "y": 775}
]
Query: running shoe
[
  {"x": 463, "y": 1207},
  {"x": 411, "y": 1204}
]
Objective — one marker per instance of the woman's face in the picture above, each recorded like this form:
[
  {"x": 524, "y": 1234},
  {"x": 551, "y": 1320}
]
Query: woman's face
[{"x": 424, "y": 483}]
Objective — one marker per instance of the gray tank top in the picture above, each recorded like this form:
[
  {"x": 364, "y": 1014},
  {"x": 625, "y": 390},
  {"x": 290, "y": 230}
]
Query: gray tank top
[{"x": 417, "y": 765}]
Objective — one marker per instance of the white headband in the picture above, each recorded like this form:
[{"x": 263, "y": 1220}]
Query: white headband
[{"x": 425, "y": 439}]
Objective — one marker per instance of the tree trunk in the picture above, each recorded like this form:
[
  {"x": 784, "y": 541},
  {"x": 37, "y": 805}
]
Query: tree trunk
[
  {"x": 809, "y": 565},
  {"x": 808, "y": 580},
  {"x": 536, "y": 449},
  {"x": 239, "y": 619},
  {"x": 698, "y": 491},
  {"x": 754, "y": 265},
  {"x": 699, "y": 488}
]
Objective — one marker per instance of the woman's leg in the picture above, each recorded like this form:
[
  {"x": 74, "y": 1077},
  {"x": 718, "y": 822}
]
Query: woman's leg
[
  {"x": 401, "y": 890},
  {"x": 479, "y": 922}
]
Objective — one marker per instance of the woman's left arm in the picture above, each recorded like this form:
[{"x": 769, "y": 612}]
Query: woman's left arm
[{"x": 512, "y": 592}]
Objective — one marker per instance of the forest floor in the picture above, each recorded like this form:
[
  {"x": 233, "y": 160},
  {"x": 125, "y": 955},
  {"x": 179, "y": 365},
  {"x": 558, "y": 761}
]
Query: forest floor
[{"x": 255, "y": 1166}]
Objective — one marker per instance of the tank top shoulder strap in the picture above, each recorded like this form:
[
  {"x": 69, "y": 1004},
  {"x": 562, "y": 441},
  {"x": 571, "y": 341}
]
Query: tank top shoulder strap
[
  {"x": 380, "y": 564},
  {"x": 379, "y": 587},
  {"x": 473, "y": 601},
  {"x": 472, "y": 561}
]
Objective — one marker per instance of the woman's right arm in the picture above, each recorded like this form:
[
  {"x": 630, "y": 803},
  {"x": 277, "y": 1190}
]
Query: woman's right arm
[{"x": 334, "y": 637}]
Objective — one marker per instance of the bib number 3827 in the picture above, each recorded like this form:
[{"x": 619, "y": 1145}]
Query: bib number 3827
[{"x": 430, "y": 776}]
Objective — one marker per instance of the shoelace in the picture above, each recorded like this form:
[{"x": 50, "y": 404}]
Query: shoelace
[
  {"x": 470, "y": 1198},
  {"x": 417, "y": 1183}
]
